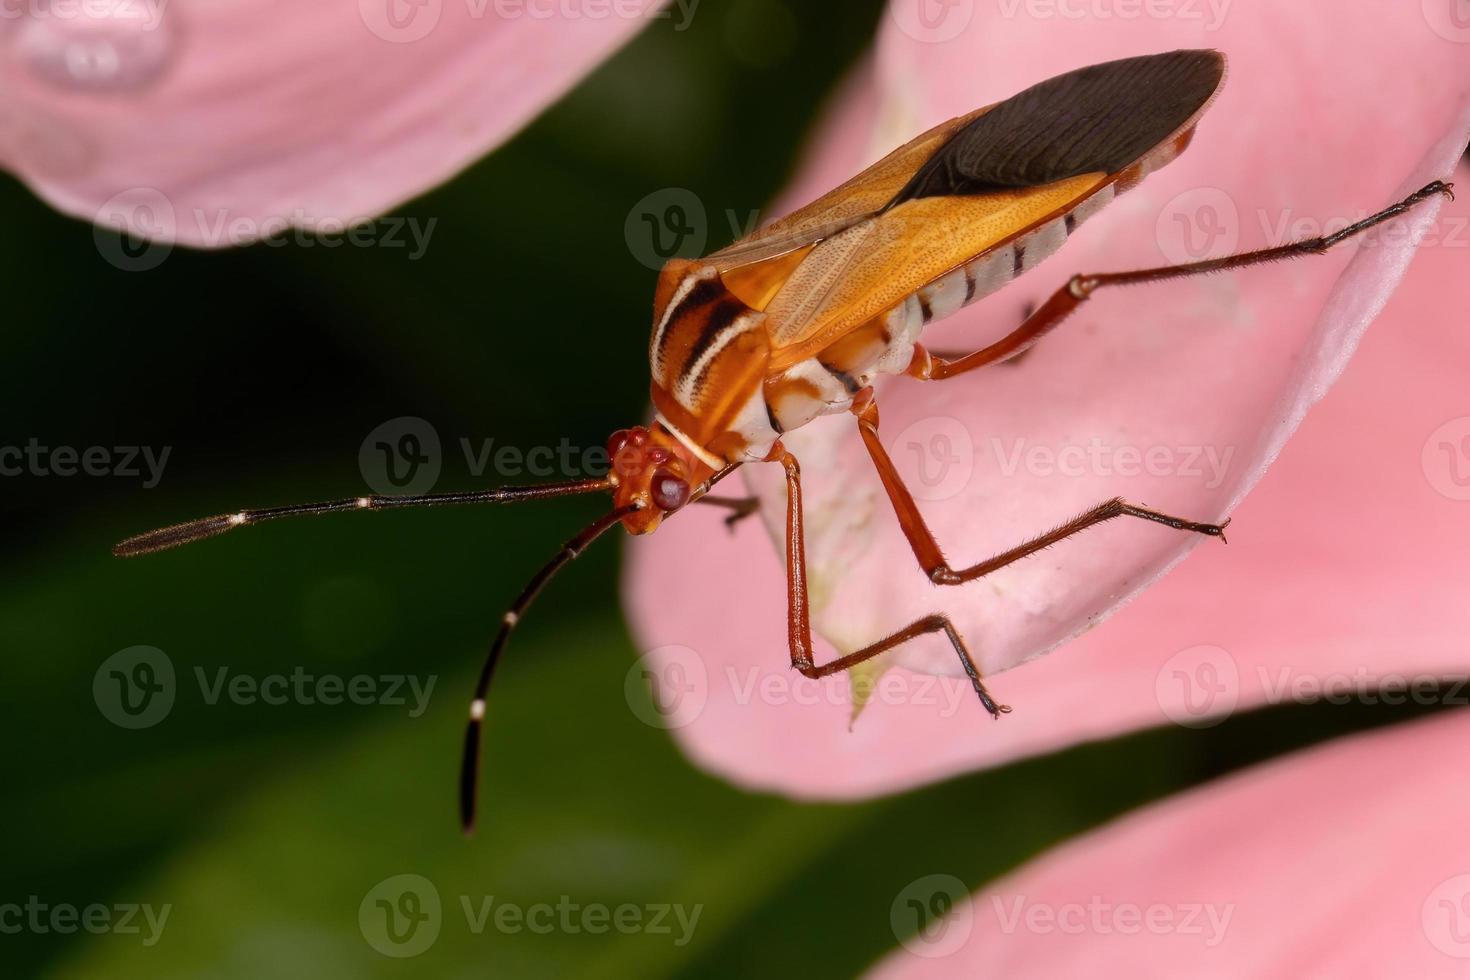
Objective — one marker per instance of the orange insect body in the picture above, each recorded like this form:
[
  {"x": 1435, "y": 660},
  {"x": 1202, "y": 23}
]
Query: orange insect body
[
  {"x": 781, "y": 328},
  {"x": 797, "y": 320}
]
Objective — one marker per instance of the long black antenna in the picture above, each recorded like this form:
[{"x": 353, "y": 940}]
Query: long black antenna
[
  {"x": 208, "y": 527},
  {"x": 469, "y": 768}
]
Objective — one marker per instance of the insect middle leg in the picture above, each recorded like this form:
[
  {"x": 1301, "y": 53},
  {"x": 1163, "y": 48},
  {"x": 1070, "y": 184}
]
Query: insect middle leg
[
  {"x": 739, "y": 507},
  {"x": 798, "y": 620},
  {"x": 929, "y": 366},
  {"x": 926, "y": 548}
]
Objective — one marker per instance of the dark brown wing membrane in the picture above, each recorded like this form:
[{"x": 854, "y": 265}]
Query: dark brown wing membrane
[{"x": 1098, "y": 119}]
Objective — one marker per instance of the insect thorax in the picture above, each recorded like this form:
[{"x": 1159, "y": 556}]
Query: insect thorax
[{"x": 713, "y": 382}]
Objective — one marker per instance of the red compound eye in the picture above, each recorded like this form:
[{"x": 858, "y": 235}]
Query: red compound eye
[
  {"x": 668, "y": 491},
  {"x": 616, "y": 442}
]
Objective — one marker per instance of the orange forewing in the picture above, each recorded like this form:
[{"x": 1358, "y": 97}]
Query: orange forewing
[
  {"x": 866, "y": 270},
  {"x": 848, "y": 204}
]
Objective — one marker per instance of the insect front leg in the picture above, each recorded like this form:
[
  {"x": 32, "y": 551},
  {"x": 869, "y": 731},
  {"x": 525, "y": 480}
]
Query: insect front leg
[
  {"x": 798, "y": 621},
  {"x": 929, "y": 366},
  {"x": 739, "y": 507},
  {"x": 926, "y": 548}
]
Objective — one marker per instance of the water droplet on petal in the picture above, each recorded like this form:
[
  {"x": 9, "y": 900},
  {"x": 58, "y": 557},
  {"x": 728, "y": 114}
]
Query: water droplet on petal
[{"x": 103, "y": 48}]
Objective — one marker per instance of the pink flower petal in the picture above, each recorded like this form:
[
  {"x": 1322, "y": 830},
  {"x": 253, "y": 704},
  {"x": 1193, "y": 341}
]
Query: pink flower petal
[
  {"x": 1343, "y": 568},
  {"x": 1346, "y": 861},
  {"x": 213, "y": 123},
  {"x": 1225, "y": 365}
]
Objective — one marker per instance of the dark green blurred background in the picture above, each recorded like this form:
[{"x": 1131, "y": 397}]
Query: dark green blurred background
[{"x": 263, "y": 369}]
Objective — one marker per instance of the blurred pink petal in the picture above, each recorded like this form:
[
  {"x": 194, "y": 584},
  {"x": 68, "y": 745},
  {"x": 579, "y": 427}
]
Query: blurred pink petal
[
  {"x": 1346, "y": 563},
  {"x": 215, "y": 122},
  {"x": 1368, "y": 877}
]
